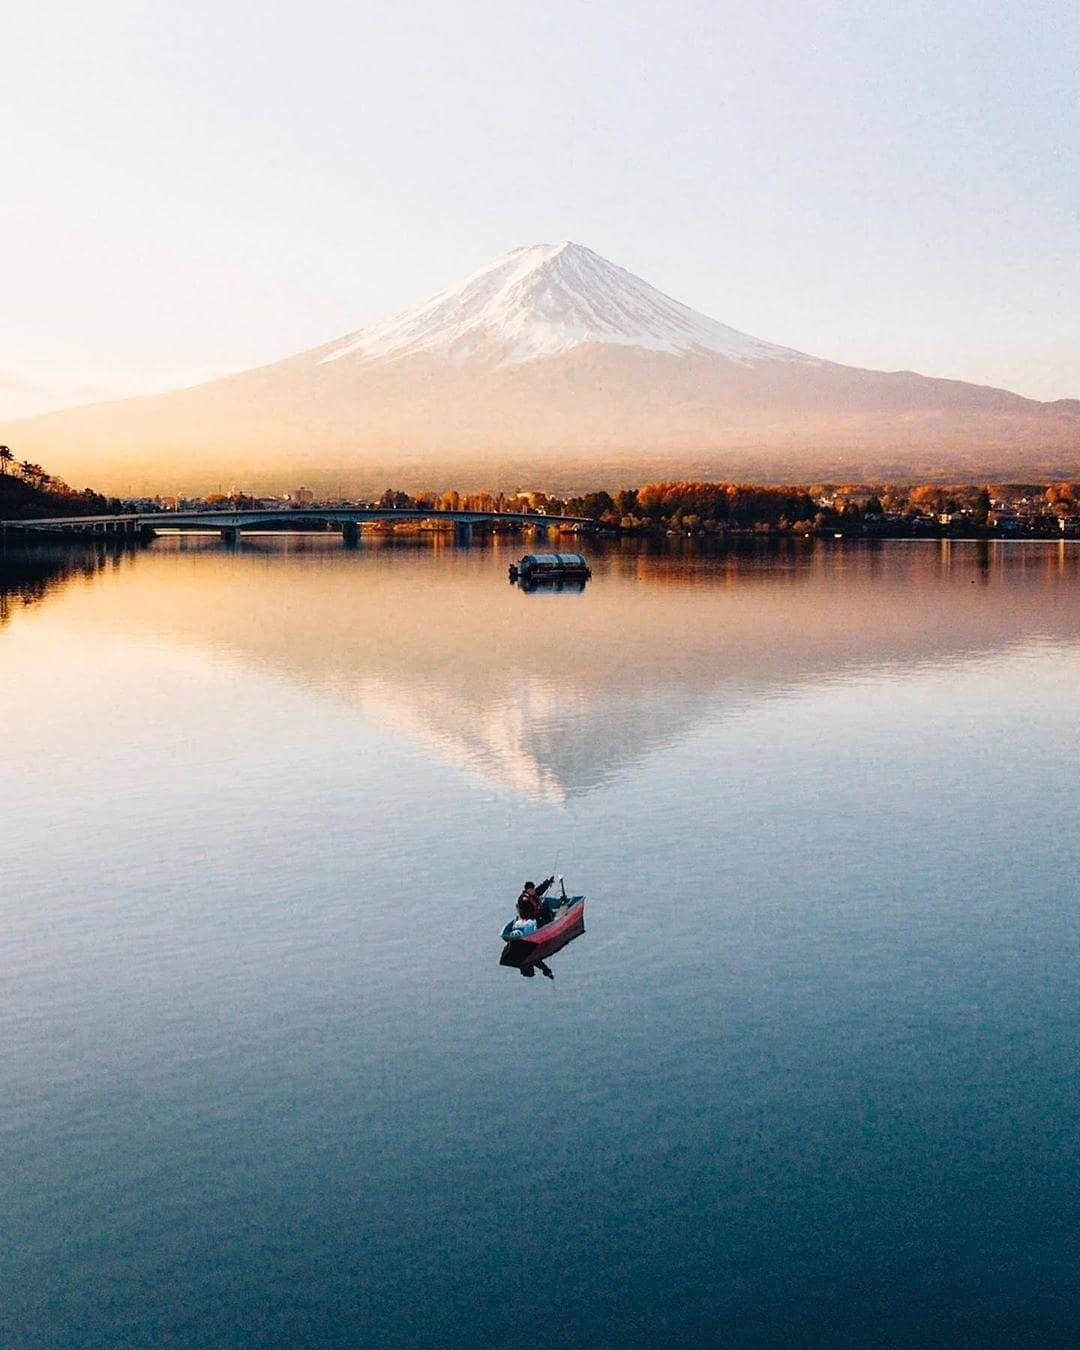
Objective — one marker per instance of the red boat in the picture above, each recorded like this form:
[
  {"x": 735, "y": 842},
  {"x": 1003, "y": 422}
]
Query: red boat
[
  {"x": 530, "y": 954},
  {"x": 568, "y": 922}
]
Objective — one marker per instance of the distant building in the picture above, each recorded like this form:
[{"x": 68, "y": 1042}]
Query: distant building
[{"x": 302, "y": 497}]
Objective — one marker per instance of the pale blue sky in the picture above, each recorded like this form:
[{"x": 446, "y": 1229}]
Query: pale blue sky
[{"x": 188, "y": 189}]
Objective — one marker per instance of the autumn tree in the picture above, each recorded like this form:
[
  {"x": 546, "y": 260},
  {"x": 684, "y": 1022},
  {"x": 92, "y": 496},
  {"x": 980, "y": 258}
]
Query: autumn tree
[
  {"x": 982, "y": 506},
  {"x": 1063, "y": 497}
]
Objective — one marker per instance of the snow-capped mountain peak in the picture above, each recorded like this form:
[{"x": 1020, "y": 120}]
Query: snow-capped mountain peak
[
  {"x": 552, "y": 365},
  {"x": 542, "y": 300}
]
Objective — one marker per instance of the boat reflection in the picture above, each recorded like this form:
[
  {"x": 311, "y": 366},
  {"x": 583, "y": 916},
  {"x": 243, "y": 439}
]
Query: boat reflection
[
  {"x": 529, "y": 958},
  {"x": 544, "y": 584}
]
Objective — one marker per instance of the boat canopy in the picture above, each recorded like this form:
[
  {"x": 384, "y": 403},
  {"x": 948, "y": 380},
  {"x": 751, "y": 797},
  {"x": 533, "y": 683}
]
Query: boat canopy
[{"x": 556, "y": 562}]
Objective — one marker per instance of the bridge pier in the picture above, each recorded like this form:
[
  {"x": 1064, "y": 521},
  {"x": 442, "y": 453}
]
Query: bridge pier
[
  {"x": 463, "y": 532},
  {"x": 230, "y": 536},
  {"x": 350, "y": 533}
]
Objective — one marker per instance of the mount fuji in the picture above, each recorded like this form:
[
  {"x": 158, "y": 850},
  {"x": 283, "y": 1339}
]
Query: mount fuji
[
  {"x": 551, "y": 366},
  {"x": 544, "y": 300}
]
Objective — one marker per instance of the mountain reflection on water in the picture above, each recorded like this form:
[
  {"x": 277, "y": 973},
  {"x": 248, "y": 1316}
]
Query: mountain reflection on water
[
  {"x": 548, "y": 700},
  {"x": 266, "y": 812}
]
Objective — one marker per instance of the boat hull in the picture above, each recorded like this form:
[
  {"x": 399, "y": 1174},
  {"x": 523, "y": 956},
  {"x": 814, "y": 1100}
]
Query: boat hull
[
  {"x": 525, "y": 953},
  {"x": 574, "y": 917}
]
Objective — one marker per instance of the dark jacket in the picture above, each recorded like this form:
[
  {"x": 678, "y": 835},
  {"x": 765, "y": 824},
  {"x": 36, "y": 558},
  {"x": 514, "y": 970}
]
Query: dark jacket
[{"x": 529, "y": 906}]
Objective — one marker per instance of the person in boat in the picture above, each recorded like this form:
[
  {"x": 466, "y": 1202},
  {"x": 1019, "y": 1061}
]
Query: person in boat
[{"x": 532, "y": 904}]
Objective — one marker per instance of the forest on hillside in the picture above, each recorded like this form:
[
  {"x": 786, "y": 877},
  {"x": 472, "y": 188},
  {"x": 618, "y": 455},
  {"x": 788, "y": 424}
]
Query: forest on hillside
[{"x": 27, "y": 490}]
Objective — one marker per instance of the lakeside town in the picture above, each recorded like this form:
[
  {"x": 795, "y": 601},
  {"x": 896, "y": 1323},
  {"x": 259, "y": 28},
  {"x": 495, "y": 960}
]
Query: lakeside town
[
  {"x": 671, "y": 508},
  {"x": 678, "y": 509}
]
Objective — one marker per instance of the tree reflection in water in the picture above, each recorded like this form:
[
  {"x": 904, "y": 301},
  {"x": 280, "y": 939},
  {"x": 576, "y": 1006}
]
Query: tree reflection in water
[{"x": 28, "y": 574}]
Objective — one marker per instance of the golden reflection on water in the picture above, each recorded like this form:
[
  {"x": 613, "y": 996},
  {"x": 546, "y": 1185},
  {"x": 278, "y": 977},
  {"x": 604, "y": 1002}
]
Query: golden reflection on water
[{"x": 547, "y": 695}]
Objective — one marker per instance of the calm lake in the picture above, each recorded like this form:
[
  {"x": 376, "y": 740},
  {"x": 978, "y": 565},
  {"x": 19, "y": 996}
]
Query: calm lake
[{"x": 810, "y": 1076}]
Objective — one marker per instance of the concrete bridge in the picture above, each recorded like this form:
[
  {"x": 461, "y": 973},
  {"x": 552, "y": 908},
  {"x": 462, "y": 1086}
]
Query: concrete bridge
[{"x": 231, "y": 524}]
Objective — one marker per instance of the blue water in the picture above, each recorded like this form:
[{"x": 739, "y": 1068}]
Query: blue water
[{"x": 810, "y": 1076}]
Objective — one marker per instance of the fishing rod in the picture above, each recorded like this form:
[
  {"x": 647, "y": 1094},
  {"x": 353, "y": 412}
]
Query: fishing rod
[{"x": 559, "y": 879}]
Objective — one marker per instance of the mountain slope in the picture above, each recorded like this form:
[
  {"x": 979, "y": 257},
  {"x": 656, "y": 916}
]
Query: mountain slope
[{"x": 553, "y": 365}]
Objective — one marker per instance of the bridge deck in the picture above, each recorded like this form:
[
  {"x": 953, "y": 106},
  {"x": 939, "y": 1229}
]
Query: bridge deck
[{"x": 241, "y": 520}]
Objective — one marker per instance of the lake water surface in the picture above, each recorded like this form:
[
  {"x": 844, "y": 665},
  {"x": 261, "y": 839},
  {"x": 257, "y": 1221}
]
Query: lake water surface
[{"x": 810, "y": 1076}]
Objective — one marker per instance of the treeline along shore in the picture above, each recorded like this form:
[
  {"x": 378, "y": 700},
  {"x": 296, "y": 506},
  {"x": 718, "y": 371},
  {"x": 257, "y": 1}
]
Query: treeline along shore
[
  {"x": 671, "y": 508},
  {"x": 703, "y": 509},
  {"x": 699, "y": 508}
]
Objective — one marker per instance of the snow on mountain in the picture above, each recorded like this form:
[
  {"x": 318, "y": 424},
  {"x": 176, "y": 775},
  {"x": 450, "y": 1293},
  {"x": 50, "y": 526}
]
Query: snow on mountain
[
  {"x": 551, "y": 366},
  {"x": 543, "y": 300}
]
